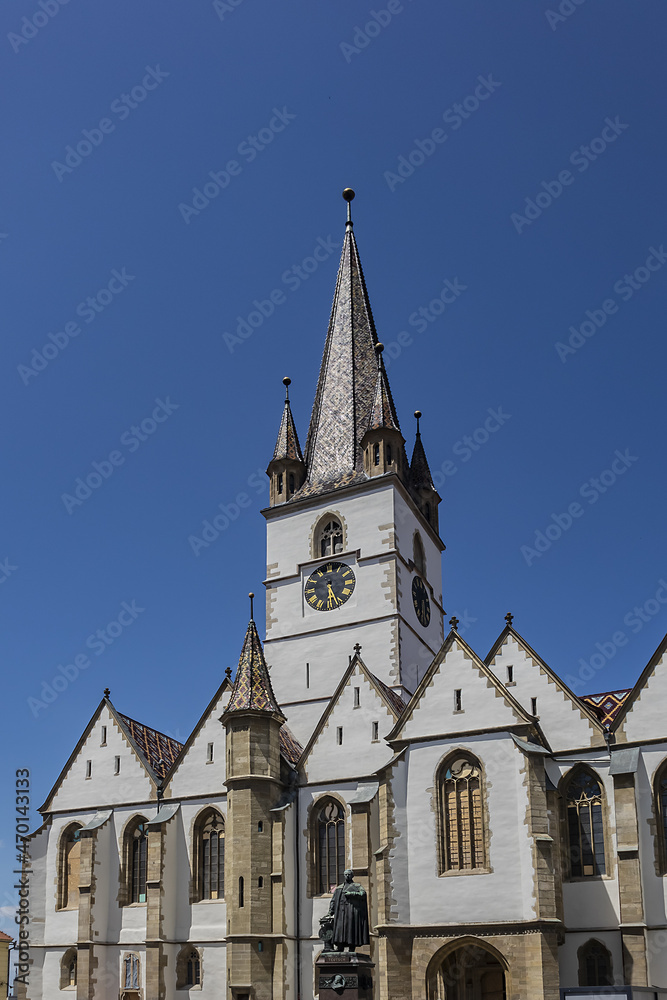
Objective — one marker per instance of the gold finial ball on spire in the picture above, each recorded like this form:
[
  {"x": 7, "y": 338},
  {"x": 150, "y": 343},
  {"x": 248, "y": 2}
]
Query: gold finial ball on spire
[
  {"x": 379, "y": 348},
  {"x": 348, "y": 194},
  {"x": 287, "y": 380},
  {"x": 251, "y": 595},
  {"x": 418, "y": 414}
]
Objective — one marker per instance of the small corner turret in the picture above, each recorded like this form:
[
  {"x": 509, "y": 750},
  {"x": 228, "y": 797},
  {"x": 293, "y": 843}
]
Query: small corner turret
[
  {"x": 286, "y": 469},
  {"x": 421, "y": 483},
  {"x": 383, "y": 445}
]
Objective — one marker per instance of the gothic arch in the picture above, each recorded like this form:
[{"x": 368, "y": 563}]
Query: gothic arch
[
  {"x": 130, "y": 981},
  {"x": 467, "y": 967},
  {"x": 69, "y": 857},
  {"x": 134, "y": 861},
  {"x": 595, "y": 964},
  {"x": 327, "y": 843},
  {"x": 584, "y": 818},
  {"x": 208, "y": 855},
  {"x": 660, "y": 807},
  {"x": 68, "y": 976},
  {"x": 189, "y": 968},
  {"x": 461, "y": 813},
  {"x": 317, "y": 533}
]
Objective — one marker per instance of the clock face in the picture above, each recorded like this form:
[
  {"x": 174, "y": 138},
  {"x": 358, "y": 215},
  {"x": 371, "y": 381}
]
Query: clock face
[
  {"x": 330, "y": 586},
  {"x": 421, "y": 601}
]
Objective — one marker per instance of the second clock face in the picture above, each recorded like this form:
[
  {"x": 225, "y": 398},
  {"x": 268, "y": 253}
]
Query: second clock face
[
  {"x": 330, "y": 586},
  {"x": 421, "y": 602}
]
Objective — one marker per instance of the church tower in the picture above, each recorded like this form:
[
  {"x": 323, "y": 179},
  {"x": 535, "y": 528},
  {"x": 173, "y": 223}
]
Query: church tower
[
  {"x": 254, "y": 833},
  {"x": 353, "y": 547}
]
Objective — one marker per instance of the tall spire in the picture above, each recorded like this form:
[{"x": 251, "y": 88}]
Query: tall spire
[
  {"x": 383, "y": 414},
  {"x": 347, "y": 385},
  {"x": 286, "y": 469},
  {"x": 252, "y": 686}
]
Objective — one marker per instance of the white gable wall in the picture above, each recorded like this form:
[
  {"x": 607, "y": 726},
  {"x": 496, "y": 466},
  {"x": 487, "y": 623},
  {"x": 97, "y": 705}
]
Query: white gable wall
[
  {"x": 194, "y": 775},
  {"x": 646, "y": 717}
]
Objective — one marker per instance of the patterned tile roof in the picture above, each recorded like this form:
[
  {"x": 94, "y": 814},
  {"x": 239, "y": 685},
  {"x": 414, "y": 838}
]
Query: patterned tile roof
[
  {"x": 287, "y": 444},
  {"x": 290, "y": 748},
  {"x": 346, "y": 387},
  {"x": 393, "y": 696},
  {"x": 608, "y": 704},
  {"x": 252, "y": 684},
  {"x": 157, "y": 750}
]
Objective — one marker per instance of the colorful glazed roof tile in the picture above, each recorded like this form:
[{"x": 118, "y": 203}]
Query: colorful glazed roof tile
[
  {"x": 347, "y": 383},
  {"x": 157, "y": 750},
  {"x": 287, "y": 444},
  {"x": 392, "y": 696},
  {"x": 290, "y": 748},
  {"x": 608, "y": 704},
  {"x": 252, "y": 684}
]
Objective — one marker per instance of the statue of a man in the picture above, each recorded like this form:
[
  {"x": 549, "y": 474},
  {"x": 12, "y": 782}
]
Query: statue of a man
[{"x": 349, "y": 909}]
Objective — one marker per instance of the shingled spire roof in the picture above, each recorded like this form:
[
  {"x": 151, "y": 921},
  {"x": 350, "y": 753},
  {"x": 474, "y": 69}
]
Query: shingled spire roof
[
  {"x": 383, "y": 414},
  {"x": 347, "y": 385},
  {"x": 420, "y": 474},
  {"x": 252, "y": 685},
  {"x": 287, "y": 444}
]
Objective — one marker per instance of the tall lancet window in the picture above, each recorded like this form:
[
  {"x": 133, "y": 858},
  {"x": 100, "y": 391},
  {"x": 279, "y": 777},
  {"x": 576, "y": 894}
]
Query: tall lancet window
[
  {"x": 138, "y": 862},
  {"x": 418, "y": 556},
  {"x": 330, "y": 538},
  {"x": 585, "y": 825},
  {"x": 211, "y": 856},
  {"x": 329, "y": 842},
  {"x": 661, "y": 812},
  {"x": 461, "y": 816}
]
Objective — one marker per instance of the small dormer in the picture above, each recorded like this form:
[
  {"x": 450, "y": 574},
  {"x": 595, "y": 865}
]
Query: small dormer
[{"x": 286, "y": 469}]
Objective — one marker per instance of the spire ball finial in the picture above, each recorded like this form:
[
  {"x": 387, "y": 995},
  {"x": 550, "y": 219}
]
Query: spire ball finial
[
  {"x": 348, "y": 194},
  {"x": 287, "y": 381},
  {"x": 252, "y": 597},
  {"x": 418, "y": 414},
  {"x": 379, "y": 348}
]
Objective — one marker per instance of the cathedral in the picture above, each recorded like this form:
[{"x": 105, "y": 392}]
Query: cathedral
[{"x": 511, "y": 837}]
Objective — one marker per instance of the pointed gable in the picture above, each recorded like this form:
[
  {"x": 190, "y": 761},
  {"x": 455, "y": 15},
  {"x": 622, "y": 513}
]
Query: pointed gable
[
  {"x": 642, "y": 716},
  {"x": 360, "y": 702},
  {"x": 458, "y": 694},
  {"x": 199, "y": 770},
  {"x": 564, "y": 719}
]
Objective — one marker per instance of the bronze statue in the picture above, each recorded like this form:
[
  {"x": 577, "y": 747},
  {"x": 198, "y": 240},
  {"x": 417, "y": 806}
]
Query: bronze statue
[{"x": 346, "y": 924}]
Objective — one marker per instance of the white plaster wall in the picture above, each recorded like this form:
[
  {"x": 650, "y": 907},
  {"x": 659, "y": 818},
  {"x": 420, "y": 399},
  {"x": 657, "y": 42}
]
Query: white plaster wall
[
  {"x": 205, "y": 920},
  {"x": 483, "y": 704},
  {"x": 60, "y": 926},
  {"x": 39, "y": 887},
  {"x": 646, "y": 718},
  {"x": 656, "y": 952},
  {"x": 561, "y": 719},
  {"x": 103, "y": 788},
  {"x": 358, "y": 754},
  {"x": 568, "y": 960},
  {"x": 506, "y": 893},
  {"x": 194, "y": 775},
  {"x": 407, "y": 522}
]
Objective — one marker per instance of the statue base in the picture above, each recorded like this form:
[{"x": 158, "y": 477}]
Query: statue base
[{"x": 346, "y": 974}]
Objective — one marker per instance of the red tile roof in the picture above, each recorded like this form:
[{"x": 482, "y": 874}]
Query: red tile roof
[{"x": 5, "y": 937}]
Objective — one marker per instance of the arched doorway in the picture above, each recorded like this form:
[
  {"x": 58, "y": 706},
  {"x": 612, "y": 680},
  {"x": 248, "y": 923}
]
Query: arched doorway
[{"x": 469, "y": 972}]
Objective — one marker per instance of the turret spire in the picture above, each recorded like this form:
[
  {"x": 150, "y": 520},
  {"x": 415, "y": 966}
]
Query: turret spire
[
  {"x": 286, "y": 469},
  {"x": 252, "y": 684},
  {"x": 421, "y": 481}
]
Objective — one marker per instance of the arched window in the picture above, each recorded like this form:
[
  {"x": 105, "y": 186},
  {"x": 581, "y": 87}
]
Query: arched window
[
  {"x": 135, "y": 861},
  {"x": 387, "y": 454},
  {"x": 595, "y": 968},
  {"x": 68, "y": 970},
  {"x": 418, "y": 556},
  {"x": 211, "y": 855},
  {"x": 585, "y": 827},
  {"x": 68, "y": 868},
  {"x": 661, "y": 814},
  {"x": 188, "y": 968},
  {"x": 131, "y": 976},
  {"x": 376, "y": 454},
  {"x": 330, "y": 538},
  {"x": 328, "y": 840},
  {"x": 461, "y": 814},
  {"x": 291, "y": 483}
]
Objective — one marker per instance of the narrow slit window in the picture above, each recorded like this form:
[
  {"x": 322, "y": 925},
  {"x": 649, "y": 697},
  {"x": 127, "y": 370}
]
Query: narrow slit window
[
  {"x": 260, "y": 882},
  {"x": 387, "y": 452},
  {"x": 291, "y": 483},
  {"x": 376, "y": 454},
  {"x": 510, "y": 674},
  {"x": 533, "y": 706},
  {"x": 209, "y": 753},
  {"x": 241, "y": 901},
  {"x": 375, "y": 732},
  {"x": 116, "y": 765},
  {"x": 103, "y": 741},
  {"x": 357, "y": 700},
  {"x": 89, "y": 768},
  {"x": 458, "y": 703},
  {"x": 339, "y": 736},
  {"x": 260, "y": 827},
  {"x": 308, "y": 675},
  {"x": 280, "y": 482}
]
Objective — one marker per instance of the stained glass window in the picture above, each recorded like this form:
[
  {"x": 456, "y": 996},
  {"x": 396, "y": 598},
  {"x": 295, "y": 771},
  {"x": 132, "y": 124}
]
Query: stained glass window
[
  {"x": 330, "y": 846},
  {"x": 585, "y": 826}
]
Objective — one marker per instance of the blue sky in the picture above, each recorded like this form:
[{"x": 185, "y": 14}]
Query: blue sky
[{"x": 514, "y": 151}]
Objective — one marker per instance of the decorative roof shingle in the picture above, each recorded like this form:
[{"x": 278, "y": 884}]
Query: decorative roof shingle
[
  {"x": 391, "y": 695},
  {"x": 608, "y": 704},
  {"x": 290, "y": 748},
  {"x": 252, "y": 684},
  {"x": 383, "y": 415},
  {"x": 420, "y": 474},
  {"x": 346, "y": 388},
  {"x": 157, "y": 750},
  {"x": 287, "y": 444}
]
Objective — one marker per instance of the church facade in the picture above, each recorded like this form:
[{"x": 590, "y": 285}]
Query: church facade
[{"x": 511, "y": 838}]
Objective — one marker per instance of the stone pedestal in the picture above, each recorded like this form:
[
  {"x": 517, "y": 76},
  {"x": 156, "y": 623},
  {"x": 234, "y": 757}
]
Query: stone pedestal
[{"x": 344, "y": 974}]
